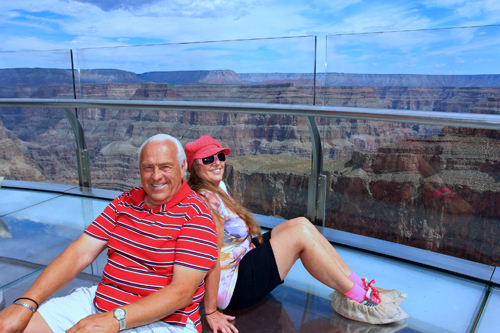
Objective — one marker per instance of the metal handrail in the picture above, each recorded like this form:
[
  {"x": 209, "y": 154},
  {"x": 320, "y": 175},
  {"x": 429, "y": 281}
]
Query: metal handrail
[{"x": 456, "y": 119}]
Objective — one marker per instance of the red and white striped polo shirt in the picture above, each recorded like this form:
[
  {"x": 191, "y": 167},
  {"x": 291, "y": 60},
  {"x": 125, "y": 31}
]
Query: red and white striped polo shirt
[{"x": 144, "y": 245}]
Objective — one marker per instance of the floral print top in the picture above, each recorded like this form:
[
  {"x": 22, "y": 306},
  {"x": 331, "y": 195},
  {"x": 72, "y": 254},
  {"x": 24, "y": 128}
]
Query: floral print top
[{"x": 237, "y": 243}]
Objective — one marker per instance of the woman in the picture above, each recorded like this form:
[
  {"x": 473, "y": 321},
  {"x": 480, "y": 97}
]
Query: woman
[{"x": 250, "y": 264}]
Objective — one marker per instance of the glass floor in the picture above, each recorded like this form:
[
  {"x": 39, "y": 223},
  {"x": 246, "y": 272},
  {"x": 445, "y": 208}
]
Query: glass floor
[{"x": 36, "y": 226}]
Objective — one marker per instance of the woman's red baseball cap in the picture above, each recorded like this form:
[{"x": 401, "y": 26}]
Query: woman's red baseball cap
[{"x": 205, "y": 146}]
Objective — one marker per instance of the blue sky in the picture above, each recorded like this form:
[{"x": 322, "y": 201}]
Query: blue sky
[{"x": 80, "y": 24}]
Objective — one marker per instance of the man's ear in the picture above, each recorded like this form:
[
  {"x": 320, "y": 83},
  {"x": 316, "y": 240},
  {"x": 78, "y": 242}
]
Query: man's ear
[{"x": 183, "y": 168}]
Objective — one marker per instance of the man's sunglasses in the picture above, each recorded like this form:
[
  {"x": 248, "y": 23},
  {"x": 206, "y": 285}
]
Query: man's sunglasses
[{"x": 211, "y": 159}]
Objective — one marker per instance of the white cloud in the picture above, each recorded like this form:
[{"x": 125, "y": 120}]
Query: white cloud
[
  {"x": 374, "y": 17},
  {"x": 199, "y": 8},
  {"x": 9, "y": 43},
  {"x": 470, "y": 9},
  {"x": 444, "y": 3},
  {"x": 487, "y": 11},
  {"x": 178, "y": 8},
  {"x": 477, "y": 61},
  {"x": 108, "y": 5}
]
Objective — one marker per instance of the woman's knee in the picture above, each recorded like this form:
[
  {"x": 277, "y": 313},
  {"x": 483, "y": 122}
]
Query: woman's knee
[
  {"x": 299, "y": 221},
  {"x": 299, "y": 227},
  {"x": 304, "y": 231},
  {"x": 306, "y": 226}
]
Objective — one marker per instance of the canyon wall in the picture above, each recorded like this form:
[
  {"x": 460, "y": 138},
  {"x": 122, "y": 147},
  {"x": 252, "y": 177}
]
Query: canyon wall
[{"x": 393, "y": 193}]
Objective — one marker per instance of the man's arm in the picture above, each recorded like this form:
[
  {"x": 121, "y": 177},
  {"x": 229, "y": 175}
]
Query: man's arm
[
  {"x": 75, "y": 258},
  {"x": 177, "y": 295}
]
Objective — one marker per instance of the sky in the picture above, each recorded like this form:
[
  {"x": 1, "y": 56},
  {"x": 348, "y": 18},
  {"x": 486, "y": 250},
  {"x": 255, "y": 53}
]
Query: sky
[{"x": 98, "y": 32}]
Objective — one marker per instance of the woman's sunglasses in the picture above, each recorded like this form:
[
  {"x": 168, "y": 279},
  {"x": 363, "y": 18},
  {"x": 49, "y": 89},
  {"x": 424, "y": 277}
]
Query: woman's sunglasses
[{"x": 211, "y": 159}]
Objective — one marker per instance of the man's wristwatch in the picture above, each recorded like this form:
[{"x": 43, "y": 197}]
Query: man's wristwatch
[{"x": 119, "y": 314}]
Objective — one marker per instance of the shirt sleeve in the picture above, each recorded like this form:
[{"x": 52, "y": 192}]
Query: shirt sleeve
[
  {"x": 196, "y": 246},
  {"x": 223, "y": 186},
  {"x": 104, "y": 224}
]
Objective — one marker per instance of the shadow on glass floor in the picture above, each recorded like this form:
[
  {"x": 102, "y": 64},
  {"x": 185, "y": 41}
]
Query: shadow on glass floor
[
  {"x": 17, "y": 288},
  {"x": 291, "y": 310}
]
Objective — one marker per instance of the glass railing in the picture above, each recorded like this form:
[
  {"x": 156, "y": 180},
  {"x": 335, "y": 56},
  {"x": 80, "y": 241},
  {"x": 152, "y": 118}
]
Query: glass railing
[
  {"x": 36, "y": 74},
  {"x": 271, "y": 70},
  {"x": 278, "y": 70},
  {"x": 432, "y": 187},
  {"x": 448, "y": 70},
  {"x": 429, "y": 186},
  {"x": 37, "y": 143}
]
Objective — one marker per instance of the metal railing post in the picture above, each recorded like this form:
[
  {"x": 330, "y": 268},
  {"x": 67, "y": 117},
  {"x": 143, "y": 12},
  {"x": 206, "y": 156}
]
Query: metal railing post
[
  {"x": 82, "y": 155},
  {"x": 316, "y": 192}
]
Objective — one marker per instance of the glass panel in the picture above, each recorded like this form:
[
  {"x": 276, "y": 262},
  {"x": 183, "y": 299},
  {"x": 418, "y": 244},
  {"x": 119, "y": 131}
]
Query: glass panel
[
  {"x": 13, "y": 200},
  {"x": 431, "y": 187},
  {"x": 404, "y": 184},
  {"x": 489, "y": 317},
  {"x": 36, "y": 144},
  {"x": 450, "y": 70},
  {"x": 38, "y": 237},
  {"x": 274, "y": 70},
  {"x": 36, "y": 74},
  {"x": 253, "y": 71}
]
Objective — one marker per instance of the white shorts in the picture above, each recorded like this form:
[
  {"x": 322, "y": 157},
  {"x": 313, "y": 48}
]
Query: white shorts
[{"x": 62, "y": 313}]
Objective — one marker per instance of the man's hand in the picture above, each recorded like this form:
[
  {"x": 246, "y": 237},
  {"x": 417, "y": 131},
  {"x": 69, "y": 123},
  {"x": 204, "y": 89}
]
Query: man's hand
[
  {"x": 14, "y": 319},
  {"x": 96, "y": 323},
  {"x": 220, "y": 322}
]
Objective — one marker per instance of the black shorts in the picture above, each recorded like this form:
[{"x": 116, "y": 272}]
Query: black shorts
[{"x": 258, "y": 275}]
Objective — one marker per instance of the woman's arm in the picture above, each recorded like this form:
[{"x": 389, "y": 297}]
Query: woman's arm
[{"x": 217, "y": 321}]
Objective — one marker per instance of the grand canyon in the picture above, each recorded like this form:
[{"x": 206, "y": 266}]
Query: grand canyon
[{"x": 382, "y": 178}]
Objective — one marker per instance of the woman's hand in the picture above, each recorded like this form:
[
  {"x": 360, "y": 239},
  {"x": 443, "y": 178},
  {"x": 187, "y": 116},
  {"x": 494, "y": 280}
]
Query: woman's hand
[{"x": 220, "y": 322}]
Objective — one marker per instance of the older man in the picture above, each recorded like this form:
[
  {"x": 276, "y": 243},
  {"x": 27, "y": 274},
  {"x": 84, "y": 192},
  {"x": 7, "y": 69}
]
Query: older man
[{"x": 161, "y": 242}]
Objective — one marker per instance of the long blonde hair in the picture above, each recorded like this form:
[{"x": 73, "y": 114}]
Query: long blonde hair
[{"x": 200, "y": 184}]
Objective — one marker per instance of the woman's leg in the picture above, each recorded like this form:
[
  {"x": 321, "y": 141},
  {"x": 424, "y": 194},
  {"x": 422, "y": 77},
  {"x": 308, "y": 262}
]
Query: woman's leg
[
  {"x": 298, "y": 238},
  {"x": 285, "y": 226}
]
